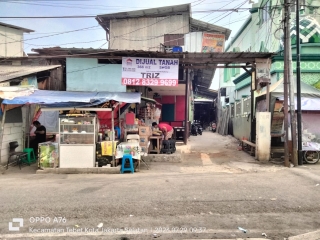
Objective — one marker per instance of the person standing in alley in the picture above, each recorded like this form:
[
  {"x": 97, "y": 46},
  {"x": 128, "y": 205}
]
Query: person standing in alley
[{"x": 41, "y": 135}]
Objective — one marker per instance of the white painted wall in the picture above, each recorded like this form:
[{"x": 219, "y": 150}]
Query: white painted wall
[{"x": 11, "y": 44}]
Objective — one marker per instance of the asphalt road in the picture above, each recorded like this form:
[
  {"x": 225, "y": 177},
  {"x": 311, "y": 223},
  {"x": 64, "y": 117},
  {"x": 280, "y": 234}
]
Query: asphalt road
[{"x": 155, "y": 203}]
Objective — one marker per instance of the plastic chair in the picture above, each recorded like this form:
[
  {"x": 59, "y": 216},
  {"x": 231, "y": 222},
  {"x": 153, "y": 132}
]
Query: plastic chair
[
  {"x": 31, "y": 156},
  {"x": 124, "y": 160},
  {"x": 19, "y": 156}
]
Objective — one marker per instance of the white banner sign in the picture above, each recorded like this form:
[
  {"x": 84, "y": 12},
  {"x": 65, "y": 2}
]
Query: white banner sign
[{"x": 150, "y": 71}]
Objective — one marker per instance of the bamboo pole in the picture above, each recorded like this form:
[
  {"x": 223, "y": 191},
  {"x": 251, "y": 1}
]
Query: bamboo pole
[{"x": 2, "y": 127}]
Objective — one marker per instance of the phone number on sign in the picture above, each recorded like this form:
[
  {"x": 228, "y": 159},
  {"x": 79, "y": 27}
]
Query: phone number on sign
[{"x": 149, "y": 82}]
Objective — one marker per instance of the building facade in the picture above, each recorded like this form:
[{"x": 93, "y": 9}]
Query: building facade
[{"x": 263, "y": 32}]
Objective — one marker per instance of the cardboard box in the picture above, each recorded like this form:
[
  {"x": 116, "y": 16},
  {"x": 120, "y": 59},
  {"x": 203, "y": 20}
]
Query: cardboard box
[
  {"x": 144, "y": 131},
  {"x": 144, "y": 149},
  {"x": 144, "y": 140}
]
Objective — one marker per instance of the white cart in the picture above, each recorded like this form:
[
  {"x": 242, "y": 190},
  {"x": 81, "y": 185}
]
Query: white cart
[{"x": 77, "y": 140}]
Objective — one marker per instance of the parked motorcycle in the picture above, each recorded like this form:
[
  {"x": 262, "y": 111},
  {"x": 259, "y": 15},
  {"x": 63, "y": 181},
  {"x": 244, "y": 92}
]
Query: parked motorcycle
[
  {"x": 194, "y": 129},
  {"x": 213, "y": 127},
  {"x": 198, "y": 127}
]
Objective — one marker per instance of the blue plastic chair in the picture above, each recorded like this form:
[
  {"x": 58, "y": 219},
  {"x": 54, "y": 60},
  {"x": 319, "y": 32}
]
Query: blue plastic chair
[{"x": 124, "y": 160}]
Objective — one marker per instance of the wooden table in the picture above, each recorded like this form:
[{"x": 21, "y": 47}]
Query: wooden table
[{"x": 158, "y": 144}]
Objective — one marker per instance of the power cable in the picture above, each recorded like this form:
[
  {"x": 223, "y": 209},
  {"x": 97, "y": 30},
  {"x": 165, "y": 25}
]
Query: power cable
[
  {"x": 77, "y": 30},
  {"x": 219, "y": 8}
]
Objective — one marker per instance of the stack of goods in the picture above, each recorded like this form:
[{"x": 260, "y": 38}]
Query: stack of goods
[
  {"x": 147, "y": 112},
  {"x": 144, "y": 134}
]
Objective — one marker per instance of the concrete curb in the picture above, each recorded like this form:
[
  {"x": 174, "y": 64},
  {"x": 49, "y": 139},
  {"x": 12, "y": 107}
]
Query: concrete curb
[
  {"x": 175, "y": 157},
  {"x": 95, "y": 170}
]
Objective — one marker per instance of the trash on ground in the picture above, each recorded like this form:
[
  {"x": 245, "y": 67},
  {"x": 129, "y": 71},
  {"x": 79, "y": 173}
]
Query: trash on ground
[
  {"x": 273, "y": 199},
  {"x": 263, "y": 234},
  {"x": 131, "y": 215},
  {"x": 77, "y": 226},
  {"x": 242, "y": 229},
  {"x": 100, "y": 225},
  {"x": 156, "y": 235},
  {"x": 317, "y": 185}
]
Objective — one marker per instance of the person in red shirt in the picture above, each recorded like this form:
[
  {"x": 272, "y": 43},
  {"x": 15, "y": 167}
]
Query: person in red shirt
[{"x": 165, "y": 128}]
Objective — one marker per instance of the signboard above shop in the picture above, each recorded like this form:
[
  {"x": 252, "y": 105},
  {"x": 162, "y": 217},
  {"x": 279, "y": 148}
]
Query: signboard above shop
[
  {"x": 212, "y": 42},
  {"x": 150, "y": 71}
]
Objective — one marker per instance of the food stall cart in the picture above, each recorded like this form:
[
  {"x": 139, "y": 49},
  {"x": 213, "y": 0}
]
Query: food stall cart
[
  {"x": 78, "y": 143},
  {"x": 77, "y": 139}
]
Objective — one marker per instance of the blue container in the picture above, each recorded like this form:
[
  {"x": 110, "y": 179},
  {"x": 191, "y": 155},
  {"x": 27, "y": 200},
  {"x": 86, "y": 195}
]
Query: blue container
[
  {"x": 118, "y": 131},
  {"x": 177, "y": 49}
]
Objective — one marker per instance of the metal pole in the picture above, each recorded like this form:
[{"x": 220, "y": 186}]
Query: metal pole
[
  {"x": 29, "y": 124},
  {"x": 252, "y": 135},
  {"x": 298, "y": 71},
  {"x": 186, "y": 128},
  {"x": 285, "y": 82},
  {"x": 112, "y": 137},
  {"x": 293, "y": 119}
]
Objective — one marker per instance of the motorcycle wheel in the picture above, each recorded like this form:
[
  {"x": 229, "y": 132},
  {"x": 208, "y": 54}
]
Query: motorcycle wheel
[{"x": 311, "y": 157}]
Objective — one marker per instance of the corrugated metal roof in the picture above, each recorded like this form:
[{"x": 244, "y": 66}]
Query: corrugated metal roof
[
  {"x": 11, "y": 72},
  {"x": 184, "y": 57},
  {"x": 16, "y": 27},
  {"x": 150, "y": 12},
  {"x": 200, "y": 26}
]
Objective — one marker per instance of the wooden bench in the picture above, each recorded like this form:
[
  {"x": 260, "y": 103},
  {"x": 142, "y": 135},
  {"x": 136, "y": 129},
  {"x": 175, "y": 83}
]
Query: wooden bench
[{"x": 248, "y": 146}]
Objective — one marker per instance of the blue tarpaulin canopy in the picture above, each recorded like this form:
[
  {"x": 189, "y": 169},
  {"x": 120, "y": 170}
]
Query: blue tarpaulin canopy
[{"x": 47, "y": 98}]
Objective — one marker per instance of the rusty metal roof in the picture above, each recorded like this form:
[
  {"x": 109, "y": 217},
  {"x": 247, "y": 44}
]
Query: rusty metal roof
[
  {"x": 12, "y": 72},
  {"x": 194, "y": 58},
  {"x": 205, "y": 62}
]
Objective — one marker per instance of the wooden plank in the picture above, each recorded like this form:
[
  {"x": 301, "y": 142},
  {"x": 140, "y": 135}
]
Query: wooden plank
[{"x": 249, "y": 143}]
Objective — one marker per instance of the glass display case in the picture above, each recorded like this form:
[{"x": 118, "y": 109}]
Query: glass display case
[{"x": 77, "y": 139}]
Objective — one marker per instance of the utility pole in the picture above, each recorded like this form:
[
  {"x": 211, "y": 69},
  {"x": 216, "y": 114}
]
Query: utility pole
[
  {"x": 298, "y": 71},
  {"x": 285, "y": 80},
  {"x": 292, "y": 109}
]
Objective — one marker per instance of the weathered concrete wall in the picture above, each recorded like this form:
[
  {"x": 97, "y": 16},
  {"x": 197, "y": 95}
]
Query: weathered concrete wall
[
  {"x": 12, "y": 132},
  {"x": 83, "y": 72},
  {"x": 241, "y": 127}
]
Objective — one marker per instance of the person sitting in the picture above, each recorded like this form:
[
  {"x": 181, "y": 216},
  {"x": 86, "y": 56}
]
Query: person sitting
[{"x": 166, "y": 129}]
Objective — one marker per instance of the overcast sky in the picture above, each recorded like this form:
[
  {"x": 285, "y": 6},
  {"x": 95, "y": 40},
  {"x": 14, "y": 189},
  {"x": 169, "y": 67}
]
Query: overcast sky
[{"x": 94, "y": 36}]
